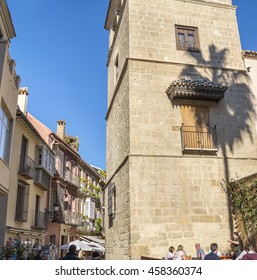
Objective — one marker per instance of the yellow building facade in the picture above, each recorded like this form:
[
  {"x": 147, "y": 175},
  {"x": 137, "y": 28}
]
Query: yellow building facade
[{"x": 9, "y": 85}]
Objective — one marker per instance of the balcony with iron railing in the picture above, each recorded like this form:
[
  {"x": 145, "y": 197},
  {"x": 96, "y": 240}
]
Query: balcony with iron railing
[
  {"x": 73, "y": 218},
  {"x": 39, "y": 220},
  {"x": 26, "y": 167},
  {"x": 196, "y": 138},
  {"x": 72, "y": 178}
]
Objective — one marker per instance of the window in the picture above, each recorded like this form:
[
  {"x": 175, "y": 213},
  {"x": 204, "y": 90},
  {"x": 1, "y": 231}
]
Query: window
[
  {"x": 187, "y": 38},
  {"x": 111, "y": 203},
  {"x": 59, "y": 163},
  {"x": 22, "y": 202},
  {"x": 45, "y": 158},
  {"x": 52, "y": 239},
  {"x": 116, "y": 69},
  {"x": 5, "y": 135},
  {"x": 90, "y": 208}
]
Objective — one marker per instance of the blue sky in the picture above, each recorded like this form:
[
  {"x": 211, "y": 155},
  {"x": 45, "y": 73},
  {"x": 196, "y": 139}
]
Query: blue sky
[{"x": 61, "y": 51}]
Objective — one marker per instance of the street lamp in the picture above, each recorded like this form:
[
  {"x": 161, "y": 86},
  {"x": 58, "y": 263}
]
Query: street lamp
[{"x": 56, "y": 207}]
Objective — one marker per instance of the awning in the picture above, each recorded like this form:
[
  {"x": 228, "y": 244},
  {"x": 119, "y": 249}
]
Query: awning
[
  {"x": 80, "y": 245},
  {"x": 97, "y": 243}
]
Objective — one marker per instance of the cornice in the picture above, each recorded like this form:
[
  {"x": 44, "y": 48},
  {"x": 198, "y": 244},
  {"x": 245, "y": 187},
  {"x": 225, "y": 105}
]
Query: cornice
[{"x": 249, "y": 54}]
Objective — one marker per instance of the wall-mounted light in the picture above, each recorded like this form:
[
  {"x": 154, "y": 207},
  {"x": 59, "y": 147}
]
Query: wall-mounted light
[{"x": 56, "y": 207}]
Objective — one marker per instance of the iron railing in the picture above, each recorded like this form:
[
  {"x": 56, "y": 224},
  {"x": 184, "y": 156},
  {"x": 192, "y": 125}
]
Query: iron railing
[
  {"x": 72, "y": 178},
  {"x": 72, "y": 218},
  {"x": 27, "y": 167},
  {"x": 40, "y": 219},
  {"x": 199, "y": 138}
]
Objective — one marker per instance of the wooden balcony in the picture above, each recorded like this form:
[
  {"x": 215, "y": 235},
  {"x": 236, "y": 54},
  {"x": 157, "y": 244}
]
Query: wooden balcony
[{"x": 203, "y": 139}]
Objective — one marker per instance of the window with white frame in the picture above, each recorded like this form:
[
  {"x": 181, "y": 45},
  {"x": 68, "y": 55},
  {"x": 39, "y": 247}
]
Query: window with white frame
[
  {"x": 90, "y": 208},
  {"x": 5, "y": 135}
]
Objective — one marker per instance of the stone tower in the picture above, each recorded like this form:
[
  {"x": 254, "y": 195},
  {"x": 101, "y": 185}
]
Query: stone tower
[{"x": 180, "y": 123}]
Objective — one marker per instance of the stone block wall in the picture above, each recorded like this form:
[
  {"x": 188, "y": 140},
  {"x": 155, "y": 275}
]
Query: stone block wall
[{"x": 165, "y": 197}]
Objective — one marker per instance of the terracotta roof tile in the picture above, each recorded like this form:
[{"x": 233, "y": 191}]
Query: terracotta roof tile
[
  {"x": 200, "y": 89},
  {"x": 249, "y": 54}
]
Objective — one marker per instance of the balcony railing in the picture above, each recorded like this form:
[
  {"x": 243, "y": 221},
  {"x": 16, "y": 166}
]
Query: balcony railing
[
  {"x": 72, "y": 178},
  {"x": 199, "y": 138},
  {"x": 39, "y": 220},
  {"x": 42, "y": 179},
  {"x": 72, "y": 218},
  {"x": 27, "y": 167},
  {"x": 59, "y": 168}
]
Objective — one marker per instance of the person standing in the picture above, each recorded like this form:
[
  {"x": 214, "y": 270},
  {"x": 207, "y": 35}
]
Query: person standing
[
  {"x": 71, "y": 255},
  {"x": 199, "y": 251},
  {"x": 237, "y": 245},
  {"x": 213, "y": 254}
]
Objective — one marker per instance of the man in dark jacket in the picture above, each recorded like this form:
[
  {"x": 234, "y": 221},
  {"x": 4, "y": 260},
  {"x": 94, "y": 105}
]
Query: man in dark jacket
[
  {"x": 213, "y": 254},
  {"x": 71, "y": 255}
]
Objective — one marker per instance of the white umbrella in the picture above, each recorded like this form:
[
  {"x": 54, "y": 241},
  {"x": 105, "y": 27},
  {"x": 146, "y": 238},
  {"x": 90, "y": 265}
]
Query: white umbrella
[
  {"x": 80, "y": 245},
  {"x": 97, "y": 246}
]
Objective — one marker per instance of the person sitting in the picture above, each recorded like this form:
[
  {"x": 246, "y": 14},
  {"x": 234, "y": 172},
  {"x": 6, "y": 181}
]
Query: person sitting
[
  {"x": 180, "y": 254},
  {"x": 213, "y": 254},
  {"x": 170, "y": 254},
  {"x": 250, "y": 253},
  {"x": 71, "y": 255},
  {"x": 199, "y": 252}
]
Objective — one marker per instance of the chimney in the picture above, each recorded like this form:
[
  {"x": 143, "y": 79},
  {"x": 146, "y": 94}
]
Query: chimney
[
  {"x": 23, "y": 99},
  {"x": 61, "y": 129}
]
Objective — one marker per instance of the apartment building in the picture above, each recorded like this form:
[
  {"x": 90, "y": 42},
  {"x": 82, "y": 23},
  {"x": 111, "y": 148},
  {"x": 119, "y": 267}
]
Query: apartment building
[
  {"x": 74, "y": 199},
  {"x": 181, "y": 120},
  {"x": 9, "y": 85},
  {"x": 32, "y": 167}
]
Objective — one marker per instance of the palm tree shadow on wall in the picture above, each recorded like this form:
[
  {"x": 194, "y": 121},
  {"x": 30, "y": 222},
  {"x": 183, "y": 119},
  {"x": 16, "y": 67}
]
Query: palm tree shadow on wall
[{"x": 235, "y": 113}]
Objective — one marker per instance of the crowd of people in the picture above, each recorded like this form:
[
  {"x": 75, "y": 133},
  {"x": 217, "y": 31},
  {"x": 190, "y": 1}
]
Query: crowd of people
[{"x": 237, "y": 252}]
